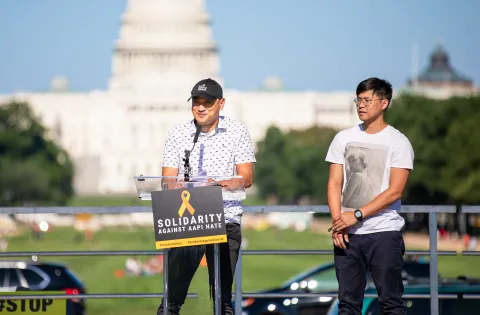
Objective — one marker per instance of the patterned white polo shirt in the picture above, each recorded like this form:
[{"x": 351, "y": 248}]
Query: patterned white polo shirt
[{"x": 215, "y": 154}]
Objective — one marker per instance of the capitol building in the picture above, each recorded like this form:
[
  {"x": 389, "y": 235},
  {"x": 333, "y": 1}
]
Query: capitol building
[{"x": 162, "y": 51}]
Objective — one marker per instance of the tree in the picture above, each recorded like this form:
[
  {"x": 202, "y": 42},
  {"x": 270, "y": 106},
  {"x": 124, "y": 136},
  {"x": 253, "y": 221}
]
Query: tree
[
  {"x": 34, "y": 169},
  {"x": 273, "y": 174},
  {"x": 291, "y": 166},
  {"x": 308, "y": 149},
  {"x": 443, "y": 134},
  {"x": 461, "y": 173}
]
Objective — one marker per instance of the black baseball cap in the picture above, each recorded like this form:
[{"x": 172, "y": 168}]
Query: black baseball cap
[{"x": 208, "y": 89}]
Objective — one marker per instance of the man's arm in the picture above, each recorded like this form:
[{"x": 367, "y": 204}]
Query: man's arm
[
  {"x": 171, "y": 159},
  {"x": 398, "y": 180},
  {"x": 246, "y": 171},
  {"x": 171, "y": 182},
  {"x": 244, "y": 157},
  {"x": 169, "y": 171},
  {"x": 334, "y": 193},
  {"x": 334, "y": 190}
]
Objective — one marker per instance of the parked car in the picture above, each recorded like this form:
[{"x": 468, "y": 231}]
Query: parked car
[
  {"x": 320, "y": 279},
  {"x": 421, "y": 305},
  {"x": 44, "y": 276}
]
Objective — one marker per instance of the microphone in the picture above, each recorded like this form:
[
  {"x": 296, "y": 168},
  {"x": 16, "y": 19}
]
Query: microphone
[
  {"x": 186, "y": 175},
  {"x": 197, "y": 132}
]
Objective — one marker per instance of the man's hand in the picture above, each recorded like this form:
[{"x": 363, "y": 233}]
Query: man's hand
[
  {"x": 339, "y": 239},
  {"x": 344, "y": 221},
  {"x": 232, "y": 184},
  {"x": 176, "y": 185}
]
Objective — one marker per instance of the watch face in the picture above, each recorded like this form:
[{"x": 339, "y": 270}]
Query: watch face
[{"x": 358, "y": 214}]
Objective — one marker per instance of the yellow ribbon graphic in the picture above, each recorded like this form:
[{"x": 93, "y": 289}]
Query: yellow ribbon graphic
[{"x": 185, "y": 204}]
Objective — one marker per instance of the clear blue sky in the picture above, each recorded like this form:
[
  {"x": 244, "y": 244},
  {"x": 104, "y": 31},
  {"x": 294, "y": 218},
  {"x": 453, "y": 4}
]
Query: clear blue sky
[{"x": 321, "y": 45}]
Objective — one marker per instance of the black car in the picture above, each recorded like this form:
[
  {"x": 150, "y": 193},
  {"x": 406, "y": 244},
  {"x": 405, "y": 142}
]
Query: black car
[
  {"x": 44, "y": 276},
  {"x": 320, "y": 279},
  {"x": 457, "y": 303}
]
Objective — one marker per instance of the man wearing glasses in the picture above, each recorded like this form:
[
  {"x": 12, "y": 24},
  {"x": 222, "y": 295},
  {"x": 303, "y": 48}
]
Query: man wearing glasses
[
  {"x": 224, "y": 148},
  {"x": 369, "y": 167}
]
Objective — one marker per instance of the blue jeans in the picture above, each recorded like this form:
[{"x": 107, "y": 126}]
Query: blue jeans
[{"x": 183, "y": 262}]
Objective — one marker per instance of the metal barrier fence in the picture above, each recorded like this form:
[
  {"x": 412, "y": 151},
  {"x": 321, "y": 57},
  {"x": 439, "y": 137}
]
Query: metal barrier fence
[{"x": 432, "y": 212}]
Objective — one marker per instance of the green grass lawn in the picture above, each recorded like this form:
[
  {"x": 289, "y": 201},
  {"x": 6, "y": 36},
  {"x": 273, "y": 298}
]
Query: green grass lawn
[
  {"x": 98, "y": 272},
  {"x": 259, "y": 271}
]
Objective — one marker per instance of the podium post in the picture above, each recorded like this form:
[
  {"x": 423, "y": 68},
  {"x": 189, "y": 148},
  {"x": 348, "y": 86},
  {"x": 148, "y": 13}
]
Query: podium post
[
  {"x": 189, "y": 213},
  {"x": 165, "y": 271}
]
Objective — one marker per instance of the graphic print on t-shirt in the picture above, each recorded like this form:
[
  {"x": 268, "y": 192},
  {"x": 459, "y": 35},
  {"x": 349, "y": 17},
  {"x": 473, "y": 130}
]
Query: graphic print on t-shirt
[{"x": 364, "y": 168}]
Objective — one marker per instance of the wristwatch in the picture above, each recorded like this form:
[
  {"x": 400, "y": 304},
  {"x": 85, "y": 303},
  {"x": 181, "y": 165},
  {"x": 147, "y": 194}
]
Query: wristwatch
[{"x": 358, "y": 215}]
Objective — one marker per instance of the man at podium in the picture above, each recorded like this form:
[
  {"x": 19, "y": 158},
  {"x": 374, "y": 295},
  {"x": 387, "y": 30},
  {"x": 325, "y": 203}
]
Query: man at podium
[{"x": 208, "y": 145}]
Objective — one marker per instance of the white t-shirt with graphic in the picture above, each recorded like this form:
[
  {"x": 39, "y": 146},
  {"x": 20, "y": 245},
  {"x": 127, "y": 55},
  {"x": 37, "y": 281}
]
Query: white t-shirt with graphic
[{"x": 367, "y": 160}]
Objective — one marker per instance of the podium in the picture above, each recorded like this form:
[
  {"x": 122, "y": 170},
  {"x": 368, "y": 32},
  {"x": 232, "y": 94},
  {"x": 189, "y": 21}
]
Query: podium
[{"x": 189, "y": 213}]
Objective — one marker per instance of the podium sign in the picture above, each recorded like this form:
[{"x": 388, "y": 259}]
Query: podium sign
[
  {"x": 189, "y": 213},
  {"x": 188, "y": 217}
]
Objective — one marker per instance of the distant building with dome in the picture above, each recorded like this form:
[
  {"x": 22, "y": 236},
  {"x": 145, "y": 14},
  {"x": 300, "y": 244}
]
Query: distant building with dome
[
  {"x": 440, "y": 79},
  {"x": 164, "y": 48}
]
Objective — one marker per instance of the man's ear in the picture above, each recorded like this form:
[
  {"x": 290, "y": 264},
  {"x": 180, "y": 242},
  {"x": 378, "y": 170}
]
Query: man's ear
[
  {"x": 222, "y": 103},
  {"x": 385, "y": 104}
]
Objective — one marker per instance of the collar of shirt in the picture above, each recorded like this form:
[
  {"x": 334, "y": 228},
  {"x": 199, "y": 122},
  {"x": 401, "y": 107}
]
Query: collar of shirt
[{"x": 221, "y": 126}]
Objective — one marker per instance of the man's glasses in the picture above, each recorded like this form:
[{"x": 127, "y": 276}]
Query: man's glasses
[{"x": 367, "y": 102}]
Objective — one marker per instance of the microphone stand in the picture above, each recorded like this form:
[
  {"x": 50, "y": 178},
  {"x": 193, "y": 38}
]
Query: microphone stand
[{"x": 186, "y": 159}]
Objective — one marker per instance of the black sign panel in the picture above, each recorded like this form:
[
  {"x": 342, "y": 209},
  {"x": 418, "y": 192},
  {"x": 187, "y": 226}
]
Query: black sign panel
[{"x": 188, "y": 217}]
